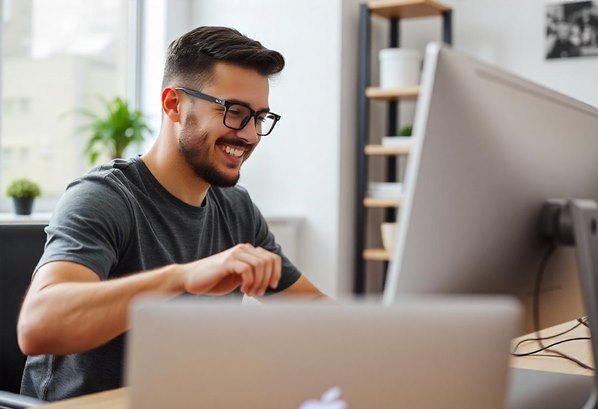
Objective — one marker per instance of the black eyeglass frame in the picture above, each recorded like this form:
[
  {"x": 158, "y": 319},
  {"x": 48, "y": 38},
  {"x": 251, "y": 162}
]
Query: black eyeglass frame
[{"x": 226, "y": 104}]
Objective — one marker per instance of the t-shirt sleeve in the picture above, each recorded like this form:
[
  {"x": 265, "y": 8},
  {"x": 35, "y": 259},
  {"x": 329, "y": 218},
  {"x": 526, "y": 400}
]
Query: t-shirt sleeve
[
  {"x": 88, "y": 226},
  {"x": 264, "y": 238}
]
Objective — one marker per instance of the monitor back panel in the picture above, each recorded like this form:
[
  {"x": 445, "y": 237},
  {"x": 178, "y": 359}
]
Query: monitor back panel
[{"x": 489, "y": 149}]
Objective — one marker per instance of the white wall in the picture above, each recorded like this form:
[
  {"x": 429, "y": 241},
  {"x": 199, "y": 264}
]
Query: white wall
[
  {"x": 305, "y": 169},
  {"x": 510, "y": 34}
]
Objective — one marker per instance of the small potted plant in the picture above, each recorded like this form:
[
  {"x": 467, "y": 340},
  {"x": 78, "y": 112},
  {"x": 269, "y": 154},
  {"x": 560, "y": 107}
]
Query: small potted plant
[
  {"x": 113, "y": 131},
  {"x": 405, "y": 130},
  {"x": 402, "y": 138},
  {"x": 23, "y": 193}
]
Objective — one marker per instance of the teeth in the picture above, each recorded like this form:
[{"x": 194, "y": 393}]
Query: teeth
[{"x": 235, "y": 152}]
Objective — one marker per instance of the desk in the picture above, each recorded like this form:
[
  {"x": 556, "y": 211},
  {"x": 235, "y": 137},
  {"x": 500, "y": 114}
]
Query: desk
[
  {"x": 117, "y": 398},
  {"x": 114, "y": 399},
  {"x": 581, "y": 350}
]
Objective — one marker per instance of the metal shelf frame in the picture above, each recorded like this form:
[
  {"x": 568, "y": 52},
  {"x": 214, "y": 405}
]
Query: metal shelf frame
[{"x": 363, "y": 122}]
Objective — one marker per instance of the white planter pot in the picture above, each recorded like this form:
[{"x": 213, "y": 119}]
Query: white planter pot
[
  {"x": 397, "y": 141},
  {"x": 399, "y": 67}
]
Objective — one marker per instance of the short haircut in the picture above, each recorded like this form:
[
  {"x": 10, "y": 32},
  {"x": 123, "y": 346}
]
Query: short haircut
[{"x": 192, "y": 56}]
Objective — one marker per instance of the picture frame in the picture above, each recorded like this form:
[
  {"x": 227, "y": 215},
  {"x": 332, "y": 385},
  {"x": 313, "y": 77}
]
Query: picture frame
[{"x": 571, "y": 29}]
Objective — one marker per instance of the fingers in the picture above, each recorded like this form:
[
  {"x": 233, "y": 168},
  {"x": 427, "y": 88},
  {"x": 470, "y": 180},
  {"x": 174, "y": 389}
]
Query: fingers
[
  {"x": 255, "y": 270},
  {"x": 261, "y": 269}
]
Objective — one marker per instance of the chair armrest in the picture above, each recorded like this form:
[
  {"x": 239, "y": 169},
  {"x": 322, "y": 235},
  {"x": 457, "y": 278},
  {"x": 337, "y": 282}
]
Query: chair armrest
[{"x": 10, "y": 400}]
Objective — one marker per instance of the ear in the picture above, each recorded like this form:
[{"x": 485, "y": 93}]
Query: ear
[{"x": 170, "y": 104}]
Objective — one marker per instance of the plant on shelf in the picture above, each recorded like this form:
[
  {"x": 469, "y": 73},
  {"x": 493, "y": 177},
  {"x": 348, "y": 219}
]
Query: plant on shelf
[
  {"x": 401, "y": 138},
  {"x": 114, "y": 130},
  {"x": 405, "y": 130},
  {"x": 23, "y": 192}
]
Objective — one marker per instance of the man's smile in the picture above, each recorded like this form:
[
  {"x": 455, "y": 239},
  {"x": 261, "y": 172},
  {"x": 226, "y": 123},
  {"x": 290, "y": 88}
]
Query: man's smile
[{"x": 236, "y": 152}]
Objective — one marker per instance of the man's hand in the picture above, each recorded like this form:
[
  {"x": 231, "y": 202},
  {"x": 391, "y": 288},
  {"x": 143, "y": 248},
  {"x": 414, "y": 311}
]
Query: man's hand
[{"x": 252, "y": 268}]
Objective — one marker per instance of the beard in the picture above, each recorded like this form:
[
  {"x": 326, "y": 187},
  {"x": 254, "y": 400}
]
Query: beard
[{"x": 194, "y": 148}]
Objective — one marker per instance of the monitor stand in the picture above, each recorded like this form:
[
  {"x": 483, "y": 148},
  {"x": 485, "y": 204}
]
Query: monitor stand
[{"x": 574, "y": 222}]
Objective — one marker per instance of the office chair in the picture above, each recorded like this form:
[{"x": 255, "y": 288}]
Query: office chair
[{"x": 21, "y": 246}]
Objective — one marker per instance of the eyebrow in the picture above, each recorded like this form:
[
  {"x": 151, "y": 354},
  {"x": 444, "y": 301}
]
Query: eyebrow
[{"x": 236, "y": 101}]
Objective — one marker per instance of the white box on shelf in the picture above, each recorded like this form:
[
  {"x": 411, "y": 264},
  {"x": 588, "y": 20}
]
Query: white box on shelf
[
  {"x": 396, "y": 141},
  {"x": 389, "y": 233},
  {"x": 385, "y": 190}
]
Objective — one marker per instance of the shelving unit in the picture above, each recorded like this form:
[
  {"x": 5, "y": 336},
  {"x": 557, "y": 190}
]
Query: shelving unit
[
  {"x": 371, "y": 150},
  {"x": 394, "y": 11},
  {"x": 376, "y": 202},
  {"x": 392, "y": 94}
]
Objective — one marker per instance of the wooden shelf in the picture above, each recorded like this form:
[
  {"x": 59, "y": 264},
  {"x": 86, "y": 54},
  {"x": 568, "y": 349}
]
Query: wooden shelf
[
  {"x": 411, "y": 92},
  {"x": 376, "y": 255},
  {"x": 387, "y": 150},
  {"x": 377, "y": 202},
  {"x": 406, "y": 8}
]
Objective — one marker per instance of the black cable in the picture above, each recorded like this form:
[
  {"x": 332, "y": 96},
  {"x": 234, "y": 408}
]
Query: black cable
[
  {"x": 538, "y": 287},
  {"x": 536, "y": 319},
  {"x": 584, "y": 321},
  {"x": 557, "y": 354},
  {"x": 550, "y": 336},
  {"x": 546, "y": 348},
  {"x": 581, "y": 364}
]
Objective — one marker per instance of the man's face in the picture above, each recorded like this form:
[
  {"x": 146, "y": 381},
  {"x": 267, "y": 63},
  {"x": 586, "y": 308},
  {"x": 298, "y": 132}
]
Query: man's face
[{"x": 212, "y": 150}]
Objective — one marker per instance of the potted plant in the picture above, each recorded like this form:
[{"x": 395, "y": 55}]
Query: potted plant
[
  {"x": 405, "y": 130},
  {"x": 114, "y": 130},
  {"x": 402, "y": 138},
  {"x": 23, "y": 193}
]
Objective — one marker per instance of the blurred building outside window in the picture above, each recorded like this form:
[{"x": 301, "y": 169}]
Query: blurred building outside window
[{"x": 57, "y": 57}]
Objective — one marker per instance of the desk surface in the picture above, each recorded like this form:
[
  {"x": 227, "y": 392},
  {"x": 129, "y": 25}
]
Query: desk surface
[
  {"x": 114, "y": 399},
  {"x": 581, "y": 350}
]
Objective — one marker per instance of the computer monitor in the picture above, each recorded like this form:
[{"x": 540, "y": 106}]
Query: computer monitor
[{"x": 489, "y": 148}]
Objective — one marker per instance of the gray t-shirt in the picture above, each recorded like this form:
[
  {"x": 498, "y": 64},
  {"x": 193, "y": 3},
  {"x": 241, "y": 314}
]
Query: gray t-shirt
[{"x": 118, "y": 220}]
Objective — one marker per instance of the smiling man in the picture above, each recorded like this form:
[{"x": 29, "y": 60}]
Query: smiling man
[{"x": 170, "y": 222}]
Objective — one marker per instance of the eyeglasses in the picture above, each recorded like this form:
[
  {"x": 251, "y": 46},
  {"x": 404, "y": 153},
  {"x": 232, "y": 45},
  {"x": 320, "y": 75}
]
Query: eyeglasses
[{"x": 237, "y": 115}]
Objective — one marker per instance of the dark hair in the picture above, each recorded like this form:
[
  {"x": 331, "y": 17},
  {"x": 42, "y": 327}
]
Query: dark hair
[{"x": 192, "y": 56}]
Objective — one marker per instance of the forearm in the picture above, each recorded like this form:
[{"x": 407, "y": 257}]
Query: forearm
[
  {"x": 68, "y": 310},
  {"x": 302, "y": 289},
  {"x": 71, "y": 317}
]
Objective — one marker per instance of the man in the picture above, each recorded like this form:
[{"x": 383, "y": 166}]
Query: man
[{"x": 169, "y": 222}]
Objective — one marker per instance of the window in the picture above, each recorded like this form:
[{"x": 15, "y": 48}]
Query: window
[{"x": 57, "y": 57}]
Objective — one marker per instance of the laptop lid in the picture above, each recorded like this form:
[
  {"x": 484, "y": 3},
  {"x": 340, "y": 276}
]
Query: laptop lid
[{"x": 425, "y": 353}]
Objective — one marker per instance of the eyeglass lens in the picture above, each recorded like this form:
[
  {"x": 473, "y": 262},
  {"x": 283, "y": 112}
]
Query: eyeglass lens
[{"x": 237, "y": 117}]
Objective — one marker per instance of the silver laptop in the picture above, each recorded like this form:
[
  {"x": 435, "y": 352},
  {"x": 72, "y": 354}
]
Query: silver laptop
[{"x": 420, "y": 353}]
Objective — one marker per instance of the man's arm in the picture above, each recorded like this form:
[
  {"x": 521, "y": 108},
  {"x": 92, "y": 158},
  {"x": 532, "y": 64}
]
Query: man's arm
[
  {"x": 301, "y": 289},
  {"x": 68, "y": 309}
]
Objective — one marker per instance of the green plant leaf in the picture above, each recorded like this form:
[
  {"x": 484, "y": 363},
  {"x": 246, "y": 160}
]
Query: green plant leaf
[
  {"x": 114, "y": 130},
  {"x": 23, "y": 188},
  {"x": 405, "y": 130}
]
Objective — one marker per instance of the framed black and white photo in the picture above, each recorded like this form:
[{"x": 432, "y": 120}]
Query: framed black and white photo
[{"x": 572, "y": 29}]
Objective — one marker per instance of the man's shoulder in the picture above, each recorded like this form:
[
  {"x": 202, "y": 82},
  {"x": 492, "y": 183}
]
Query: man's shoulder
[
  {"x": 117, "y": 171},
  {"x": 114, "y": 167}
]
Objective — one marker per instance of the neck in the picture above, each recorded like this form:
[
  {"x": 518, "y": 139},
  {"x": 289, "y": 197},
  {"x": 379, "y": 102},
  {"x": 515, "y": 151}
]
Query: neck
[{"x": 172, "y": 171}]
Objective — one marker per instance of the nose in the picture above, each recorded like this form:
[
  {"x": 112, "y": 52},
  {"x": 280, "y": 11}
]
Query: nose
[{"x": 249, "y": 133}]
